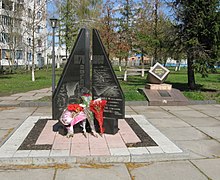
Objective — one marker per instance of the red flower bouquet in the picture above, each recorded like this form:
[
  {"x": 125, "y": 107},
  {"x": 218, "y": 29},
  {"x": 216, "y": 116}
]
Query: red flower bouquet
[
  {"x": 97, "y": 107},
  {"x": 74, "y": 107}
]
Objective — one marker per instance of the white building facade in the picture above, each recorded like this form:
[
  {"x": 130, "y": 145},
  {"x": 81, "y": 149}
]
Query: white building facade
[{"x": 23, "y": 32}]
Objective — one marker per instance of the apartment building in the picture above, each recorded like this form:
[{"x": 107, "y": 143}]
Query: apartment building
[{"x": 23, "y": 32}]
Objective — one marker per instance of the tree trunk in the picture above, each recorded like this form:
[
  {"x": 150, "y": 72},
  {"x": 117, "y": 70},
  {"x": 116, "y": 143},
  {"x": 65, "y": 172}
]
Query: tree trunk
[
  {"x": 120, "y": 64},
  {"x": 142, "y": 63},
  {"x": 190, "y": 71}
]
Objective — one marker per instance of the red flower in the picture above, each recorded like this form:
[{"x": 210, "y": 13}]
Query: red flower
[
  {"x": 87, "y": 95},
  {"x": 97, "y": 107},
  {"x": 74, "y": 107}
]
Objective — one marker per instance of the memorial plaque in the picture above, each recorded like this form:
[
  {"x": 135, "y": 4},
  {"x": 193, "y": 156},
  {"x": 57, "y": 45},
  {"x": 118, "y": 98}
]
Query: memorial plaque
[
  {"x": 75, "y": 77},
  {"x": 104, "y": 82},
  {"x": 157, "y": 74}
]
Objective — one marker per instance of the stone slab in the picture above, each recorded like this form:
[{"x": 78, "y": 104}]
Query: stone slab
[
  {"x": 158, "y": 86},
  {"x": 183, "y": 133},
  {"x": 33, "y": 174},
  {"x": 95, "y": 172},
  {"x": 211, "y": 131},
  {"x": 203, "y": 148},
  {"x": 202, "y": 121},
  {"x": 9, "y": 124},
  {"x": 8, "y": 98},
  {"x": 192, "y": 114},
  {"x": 210, "y": 167},
  {"x": 168, "y": 171},
  {"x": 3, "y": 133},
  {"x": 155, "y": 99},
  {"x": 168, "y": 122}
]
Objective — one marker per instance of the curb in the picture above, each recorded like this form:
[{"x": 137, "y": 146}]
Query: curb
[{"x": 92, "y": 159}]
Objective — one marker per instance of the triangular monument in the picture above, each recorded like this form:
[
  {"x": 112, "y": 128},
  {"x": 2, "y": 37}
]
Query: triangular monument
[{"x": 75, "y": 80}]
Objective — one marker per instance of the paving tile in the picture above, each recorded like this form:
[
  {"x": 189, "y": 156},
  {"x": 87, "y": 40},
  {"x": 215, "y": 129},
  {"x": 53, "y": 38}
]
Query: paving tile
[
  {"x": 204, "y": 107},
  {"x": 173, "y": 170},
  {"x": 127, "y": 134},
  {"x": 211, "y": 131},
  {"x": 202, "y": 122},
  {"x": 22, "y": 153},
  {"x": 33, "y": 174},
  {"x": 156, "y": 115},
  {"x": 6, "y": 153},
  {"x": 107, "y": 172},
  {"x": 99, "y": 151},
  {"x": 128, "y": 108},
  {"x": 138, "y": 150},
  {"x": 176, "y": 108},
  {"x": 80, "y": 151},
  {"x": 61, "y": 146},
  {"x": 6, "y": 103},
  {"x": 209, "y": 167},
  {"x": 203, "y": 148},
  {"x": 168, "y": 122},
  {"x": 59, "y": 152},
  {"x": 3, "y": 133},
  {"x": 24, "y": 94},
  {"x": 61, "y": 139},
  {"x": 39, "y": 153},
  {"x": 119, "y": 151},
  {"x": 115, "y": 141},
  {"x": 8, "y": 98},
  {"x": 154, "y": 149},
  {"x": 170, "y": 148},
  {"x": 9, "y": 124},
  {"x": 80, "y": 139},
  {"x": 47, "y": 136},
  {"x": 28, "y": 98},
  {"x": 185, "y": 133},
  {"x": 192, "y": 113}
]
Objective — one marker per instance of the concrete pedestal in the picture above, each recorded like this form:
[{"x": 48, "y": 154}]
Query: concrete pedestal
[{"x": 164, "y": 95}]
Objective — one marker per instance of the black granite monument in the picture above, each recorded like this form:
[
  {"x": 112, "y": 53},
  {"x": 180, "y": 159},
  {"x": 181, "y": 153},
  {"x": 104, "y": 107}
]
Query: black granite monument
[
  {"x": 75, "y": 80},
  {"x": 75, "y": 77},
  {"x": 106, "y": 86}
]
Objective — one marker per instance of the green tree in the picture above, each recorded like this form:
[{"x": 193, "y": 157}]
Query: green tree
[
  {"x": 152, "y": 31},
  {"x": 107, "y": 27},
  {"x": 77, "y": 14},
  {"x": 125, "y": 28},
  {"x": 198, "y": 32}
]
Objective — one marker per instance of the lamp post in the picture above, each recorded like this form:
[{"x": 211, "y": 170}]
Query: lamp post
[{"x": 53, "y": 22}]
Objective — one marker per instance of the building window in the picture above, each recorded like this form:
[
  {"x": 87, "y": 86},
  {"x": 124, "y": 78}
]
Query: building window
[
  {"x": 29, "y": 41},
  {"x": 39, "y": 15},
  {"x": 39, "y": 43},
  {"x": 5, "y": 54},
  {"x": 6, "y": 20},
  {"x": 4, "y": 37},
  {"x": 19, "y": 54},
  {"x": 39, "y": 29},
  {"x": 38, "y": 2},
  {"x": 29, "y": 13},
  {"x": 7, "y": 5},
  {"x": 29, "y": 56}
]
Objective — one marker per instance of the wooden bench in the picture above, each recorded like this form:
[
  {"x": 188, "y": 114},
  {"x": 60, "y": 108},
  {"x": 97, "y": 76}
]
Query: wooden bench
[{"x": 134, "y": 72}]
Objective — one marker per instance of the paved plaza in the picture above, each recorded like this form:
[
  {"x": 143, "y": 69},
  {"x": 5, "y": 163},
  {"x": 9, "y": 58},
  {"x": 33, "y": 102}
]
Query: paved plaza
[{"x": 187, "y": 137}]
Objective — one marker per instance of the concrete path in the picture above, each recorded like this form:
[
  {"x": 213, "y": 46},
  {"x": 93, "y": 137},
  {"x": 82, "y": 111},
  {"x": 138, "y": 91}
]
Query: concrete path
[{"x": 194, "y": 128}]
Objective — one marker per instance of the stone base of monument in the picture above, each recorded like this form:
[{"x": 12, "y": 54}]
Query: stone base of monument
[
  {"x": 158, "y": 86},
  {"x": 164, "y": 95},
  {"x": 110, "y": 125}
]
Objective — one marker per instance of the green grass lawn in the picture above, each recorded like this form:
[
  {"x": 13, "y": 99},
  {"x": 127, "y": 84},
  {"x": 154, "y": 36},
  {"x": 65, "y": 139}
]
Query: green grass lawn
[{"x": 207, "y": 88}]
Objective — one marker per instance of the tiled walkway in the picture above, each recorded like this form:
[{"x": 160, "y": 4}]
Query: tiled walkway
[{"x": 108, "y": 148}]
